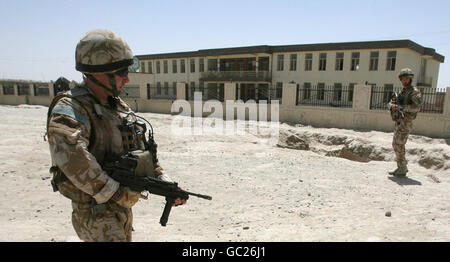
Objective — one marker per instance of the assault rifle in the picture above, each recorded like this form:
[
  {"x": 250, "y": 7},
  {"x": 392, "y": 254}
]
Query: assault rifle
[
  {"x": 122, "y": 169},
  {"x": 396, "y": 101}
]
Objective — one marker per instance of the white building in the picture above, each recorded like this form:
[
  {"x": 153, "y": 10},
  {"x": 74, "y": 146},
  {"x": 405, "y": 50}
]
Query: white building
[{"x": 260, "y": 71}]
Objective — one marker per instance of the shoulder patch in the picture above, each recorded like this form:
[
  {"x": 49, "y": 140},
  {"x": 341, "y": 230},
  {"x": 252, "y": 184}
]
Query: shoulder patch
[
  {"x": 71, "y": 112},
  {"x": 78, "y": 91}
]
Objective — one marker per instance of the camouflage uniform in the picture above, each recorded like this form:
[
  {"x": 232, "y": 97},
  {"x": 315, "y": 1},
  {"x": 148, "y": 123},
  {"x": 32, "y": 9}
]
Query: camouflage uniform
[
  {"x": 411, "y": 100},
  {"x": 81, "y": 133}
]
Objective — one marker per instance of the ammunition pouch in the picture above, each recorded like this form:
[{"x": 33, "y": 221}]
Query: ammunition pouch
[
  {"x": 396, "y": 115},
  {"x": 62, "y": 184},
  {"x": 97, "y": 209},
  {"x": 58, "y": 177},
  {"x": 145, "y": 165}
]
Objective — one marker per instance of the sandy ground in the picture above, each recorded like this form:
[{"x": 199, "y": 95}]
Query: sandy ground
[{"x": 261, "y": 192}]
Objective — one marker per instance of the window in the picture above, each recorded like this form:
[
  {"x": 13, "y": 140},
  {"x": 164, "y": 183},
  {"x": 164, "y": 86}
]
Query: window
[
  {"x": 201, "y": 66},
  {"x": 150, "y": 69},
  {"x": 351, "y": 88},
  {"x": 148, "y": 91},
  {"x": 158, "y": 88},
  {"x": 308, "y": 62},
  {"x": 251, "y": 64},
  {"x": 174, "y": 87},
  {"x": 23, "y": 90},
  {"x": 337, "y": 92},
  {"x": 142, "y": 67},
  {"x": 355, "y": 61},
  {"x": 212, "y": 64},
  {"x": 373, "y": 66},
  {"x": 192, "y": 90},
  {"x": 166, "y": 88},
  {"x": 263, "y": 64},
  {"x": 8, "y": 89},
  {"x": 279, "y": 90},
  {"x": 41, "y": 90},
  {"x": 423, "y": 69},
  {"x": 339, "y": 61},
  {"x": 158, "y": 67},
  {"x": 280, "y": 64},
  {"x": 307, "y": 91},
  {"x": 391, "y": 59},
  {"x": 322, "y": 62},
  {"x": 388, "y": 91},
  {"x": 241, "y": 64},
  {"x": 293, "y": 66},
  {"x": 182, "y": 66},
  {"x": 166, "y": 67},
  {"x": 320, "y": 91},
  {"x": 174, "y": 66},
  {"x": 192, "y": 65}
]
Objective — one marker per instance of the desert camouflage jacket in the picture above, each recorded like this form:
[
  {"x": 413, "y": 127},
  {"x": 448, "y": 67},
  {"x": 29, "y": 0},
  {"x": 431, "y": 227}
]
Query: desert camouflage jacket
[
  {"x": 81, "y": 132},
  {"x": 411, "y": 101}
]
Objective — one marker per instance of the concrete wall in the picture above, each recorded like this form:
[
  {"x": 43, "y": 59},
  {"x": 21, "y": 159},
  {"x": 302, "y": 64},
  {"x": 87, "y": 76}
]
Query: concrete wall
[
  {"x": 358, "y": 117},
  {"x": 30, "y": 99}
]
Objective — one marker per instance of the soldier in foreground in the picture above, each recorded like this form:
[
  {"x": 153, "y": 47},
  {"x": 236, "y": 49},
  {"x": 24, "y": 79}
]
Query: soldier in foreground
[
  {"x": 404, "y": 110},
  {"x": 89, "y": 124}
]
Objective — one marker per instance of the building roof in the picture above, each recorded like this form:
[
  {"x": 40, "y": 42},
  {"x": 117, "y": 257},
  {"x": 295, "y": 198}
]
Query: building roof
[
  {"x": 301, "y": 48},
  {"x": 21, "y": 81}
]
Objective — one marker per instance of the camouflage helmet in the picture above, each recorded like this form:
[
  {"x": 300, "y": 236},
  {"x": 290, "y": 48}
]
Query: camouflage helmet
[
  {"x": 102, "y": 51},
  {"x": 406, "y": 72}
]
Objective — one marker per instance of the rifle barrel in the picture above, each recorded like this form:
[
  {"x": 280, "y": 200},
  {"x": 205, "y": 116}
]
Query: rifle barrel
[{"x": 199, "y": 195}]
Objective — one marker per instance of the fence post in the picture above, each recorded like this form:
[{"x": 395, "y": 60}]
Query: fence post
[
  {"x": 447, "y": 103},
  {"x": 181, "y": 91},
  {"x": 229, "y": 92},
  {"x": 361, "y": 97},
  {"x": 32, "y": 93},
  {"x": 289, "y": 94},
  {"x": 51, "y": 90}
]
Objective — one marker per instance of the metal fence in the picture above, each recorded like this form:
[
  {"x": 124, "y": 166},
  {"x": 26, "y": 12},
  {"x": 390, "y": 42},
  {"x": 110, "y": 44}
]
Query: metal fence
[
  {"x": 259, "y": 92},
  {"x": 41, "y": 90},
  {"x": 161, "y": 92},
  {"x": 212, "y": 91},
  {"x": 23, "y": 90},
  {"x": 432, "y": 98},
  {"x": 325, "y": 95},
  {"x": 8, "y": 90}
]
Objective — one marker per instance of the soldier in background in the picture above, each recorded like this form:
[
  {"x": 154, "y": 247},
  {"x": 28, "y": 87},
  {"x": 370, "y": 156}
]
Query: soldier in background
[
  {"x": 89, "y": 123},
  {"x": 403, "y": 113}
]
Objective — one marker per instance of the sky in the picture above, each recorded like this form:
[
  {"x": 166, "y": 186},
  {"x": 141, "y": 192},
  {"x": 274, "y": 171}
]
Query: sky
[{"x": 38, "y": 38}]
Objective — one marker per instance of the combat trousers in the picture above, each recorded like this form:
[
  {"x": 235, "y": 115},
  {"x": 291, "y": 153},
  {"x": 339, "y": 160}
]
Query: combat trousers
[
  {"x": 401, "y": 133},
  {"x": 112, "y": 225}
]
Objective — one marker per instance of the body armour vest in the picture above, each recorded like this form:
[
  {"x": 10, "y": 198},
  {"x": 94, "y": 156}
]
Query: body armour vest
[
  {"x": 405, "y": 98},
  {"x": 113, "y": 132}
]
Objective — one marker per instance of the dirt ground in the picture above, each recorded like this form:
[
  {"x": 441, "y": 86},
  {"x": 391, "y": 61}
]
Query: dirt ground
[{"x": 312, "y": 186}]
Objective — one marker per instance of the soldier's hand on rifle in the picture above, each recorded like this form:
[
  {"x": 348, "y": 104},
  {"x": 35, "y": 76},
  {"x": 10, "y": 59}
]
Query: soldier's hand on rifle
[
  {"x": 394, "y": 107},
  {"x": 179, "y": 201}
]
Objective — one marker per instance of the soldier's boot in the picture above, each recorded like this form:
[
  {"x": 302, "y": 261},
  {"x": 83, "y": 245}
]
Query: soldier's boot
[{"x": 400, "y": 171}]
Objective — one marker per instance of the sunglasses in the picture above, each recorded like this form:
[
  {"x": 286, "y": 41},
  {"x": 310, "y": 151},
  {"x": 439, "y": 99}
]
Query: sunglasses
[{"x": 122, "y": 72}]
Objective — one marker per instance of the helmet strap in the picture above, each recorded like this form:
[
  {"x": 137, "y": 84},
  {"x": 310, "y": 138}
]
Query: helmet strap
[
  {"x": 113, "y": 83},
  {"x": 113, "y": 90}
]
